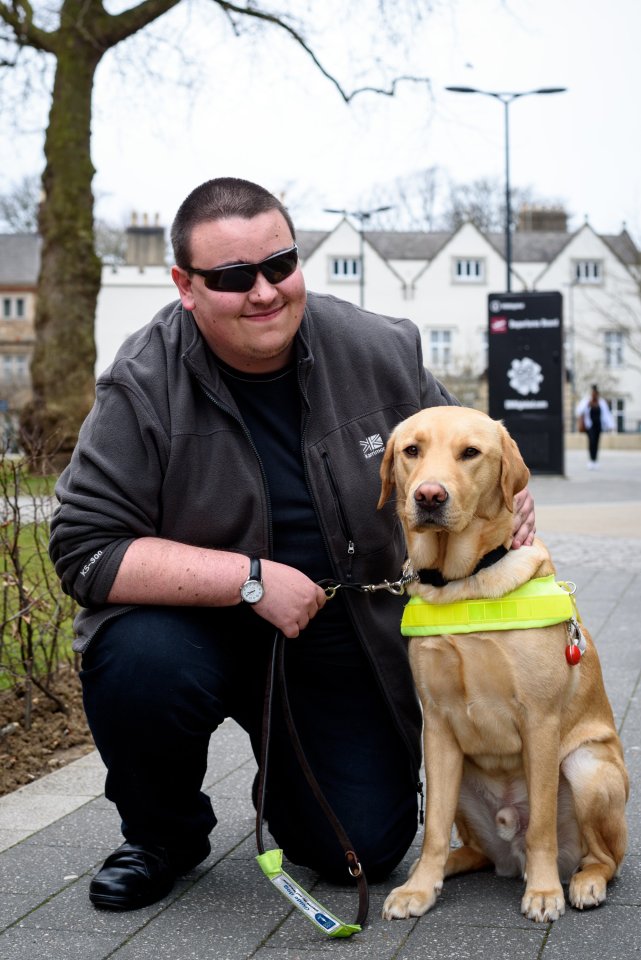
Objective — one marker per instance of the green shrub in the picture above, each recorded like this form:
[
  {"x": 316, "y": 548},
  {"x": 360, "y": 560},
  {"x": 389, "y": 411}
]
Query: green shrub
[{"x": 35, "y": 615}]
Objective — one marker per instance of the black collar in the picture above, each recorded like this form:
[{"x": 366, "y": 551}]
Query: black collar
[{"x": 436, "y": 579}]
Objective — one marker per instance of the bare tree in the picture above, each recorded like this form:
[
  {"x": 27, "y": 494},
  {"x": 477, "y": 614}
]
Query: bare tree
[
  {"x": 74, "y": 35},
  {"x": 427, "y": 200},
  {"x": 19, "y": 206},
  {"x": 482, "y": 202},
  {"x": 412, "y": 200}
]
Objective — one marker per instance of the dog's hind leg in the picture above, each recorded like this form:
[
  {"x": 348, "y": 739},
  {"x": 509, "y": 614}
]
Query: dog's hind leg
[
  {"x": 599, "y": 786},
  {"x": 465, "y": 860}
]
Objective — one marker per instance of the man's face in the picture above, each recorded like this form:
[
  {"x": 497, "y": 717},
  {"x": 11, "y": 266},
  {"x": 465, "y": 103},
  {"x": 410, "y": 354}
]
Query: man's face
[{"x": 251, "y": 331}]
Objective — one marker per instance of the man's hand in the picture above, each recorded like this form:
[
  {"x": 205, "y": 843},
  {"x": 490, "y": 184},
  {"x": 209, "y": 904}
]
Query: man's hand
[
  {"x": 291, "y": 599},
  {"x": 524, "y": 522}
]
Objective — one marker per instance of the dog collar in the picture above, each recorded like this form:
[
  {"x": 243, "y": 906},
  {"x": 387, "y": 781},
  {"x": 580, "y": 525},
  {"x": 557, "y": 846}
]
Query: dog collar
[
  {"x": 434, "y": 578},
  {"x": 541, "y": 602}
]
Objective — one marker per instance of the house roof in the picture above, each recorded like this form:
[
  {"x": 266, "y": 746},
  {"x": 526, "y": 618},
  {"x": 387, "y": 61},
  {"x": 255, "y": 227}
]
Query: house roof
[
  {"x": 623, "y": 245},
  {"x": 309, "y": 240},
  {"x": 19, "y": 259},
  {"x": 528, "y": 246},
  {"x": 532, "y": 246}
]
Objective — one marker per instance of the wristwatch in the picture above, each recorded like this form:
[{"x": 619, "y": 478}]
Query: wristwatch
[{"x": 252, "y": 590}]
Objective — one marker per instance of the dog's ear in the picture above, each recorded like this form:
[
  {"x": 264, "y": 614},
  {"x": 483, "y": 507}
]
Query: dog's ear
[
  {"x": 387, "y": 472},
  {"x": 514, "y": 473}
]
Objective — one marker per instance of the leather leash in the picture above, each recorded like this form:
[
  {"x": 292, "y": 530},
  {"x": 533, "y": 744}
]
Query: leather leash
[{"x": 276, "y": 671}]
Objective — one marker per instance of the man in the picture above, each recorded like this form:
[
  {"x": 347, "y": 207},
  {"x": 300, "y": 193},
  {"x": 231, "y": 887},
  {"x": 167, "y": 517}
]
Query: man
[{"x": 230, "y": 463}]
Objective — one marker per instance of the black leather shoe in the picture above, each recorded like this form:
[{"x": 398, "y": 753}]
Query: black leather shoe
[{"x": 135, "y": 876}]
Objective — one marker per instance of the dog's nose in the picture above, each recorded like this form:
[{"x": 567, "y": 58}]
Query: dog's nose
[{"x": 430, "y": 496}]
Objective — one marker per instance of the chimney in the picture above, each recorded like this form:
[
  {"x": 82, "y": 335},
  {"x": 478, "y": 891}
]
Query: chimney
[
  {"x": 145, "y": 243},
  {"x": 537, "y": 219}
]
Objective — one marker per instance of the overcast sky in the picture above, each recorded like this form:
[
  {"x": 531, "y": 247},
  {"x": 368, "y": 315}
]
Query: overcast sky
[{"x": 259, "y": 109}]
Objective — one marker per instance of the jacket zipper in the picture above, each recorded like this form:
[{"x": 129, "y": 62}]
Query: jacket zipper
[{"x": 342, "y": 516}]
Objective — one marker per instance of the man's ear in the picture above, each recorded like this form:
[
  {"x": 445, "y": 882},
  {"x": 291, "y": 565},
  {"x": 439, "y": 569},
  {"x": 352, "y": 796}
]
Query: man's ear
[
  {"x": 514, "y": 473},
  {"x": 183, "y": 281},
  {"x": 387, "y": 472}
]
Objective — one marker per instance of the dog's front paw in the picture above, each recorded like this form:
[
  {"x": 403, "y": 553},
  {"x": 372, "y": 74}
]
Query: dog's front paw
[
  {"x": 410, "y": 901},
  {"x": 587, "y": 889},
  {"x": 543, "y": 905}
]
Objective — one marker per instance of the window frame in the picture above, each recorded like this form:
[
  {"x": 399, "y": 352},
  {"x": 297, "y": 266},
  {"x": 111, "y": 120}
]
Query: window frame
[
  {"x": 466, "y": 277},
  {"x": 344, "y": 275}
]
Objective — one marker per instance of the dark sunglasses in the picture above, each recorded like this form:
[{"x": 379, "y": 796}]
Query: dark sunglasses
[{"x": 241, "y": 277}]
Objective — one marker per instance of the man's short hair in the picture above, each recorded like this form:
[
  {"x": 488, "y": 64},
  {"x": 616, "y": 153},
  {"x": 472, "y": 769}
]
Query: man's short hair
[{"x": 220, "y": 199}]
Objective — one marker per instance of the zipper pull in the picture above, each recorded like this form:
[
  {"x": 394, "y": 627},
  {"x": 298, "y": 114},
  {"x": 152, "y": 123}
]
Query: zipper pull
[{"x": 351, "y": 549}]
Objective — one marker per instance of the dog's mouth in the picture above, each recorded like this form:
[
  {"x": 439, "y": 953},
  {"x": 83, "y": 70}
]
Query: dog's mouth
[{"x": 424, "y": 517}]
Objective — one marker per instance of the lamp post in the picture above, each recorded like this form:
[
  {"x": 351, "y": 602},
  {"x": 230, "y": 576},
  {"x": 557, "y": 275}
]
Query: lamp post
[
  {"x": 506, "y": 99},
  {"x": 363, "y": 216}
]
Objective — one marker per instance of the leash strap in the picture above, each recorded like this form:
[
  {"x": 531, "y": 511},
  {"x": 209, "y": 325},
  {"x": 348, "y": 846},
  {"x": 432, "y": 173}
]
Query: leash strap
[{"x": 270, "y": 861}]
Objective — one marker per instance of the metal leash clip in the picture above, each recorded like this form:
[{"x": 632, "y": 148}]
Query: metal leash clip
[{"x": 396, "y": 587}]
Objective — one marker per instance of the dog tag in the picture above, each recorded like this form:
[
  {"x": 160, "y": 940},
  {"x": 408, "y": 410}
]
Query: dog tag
[{"x": 576, "y": 645}]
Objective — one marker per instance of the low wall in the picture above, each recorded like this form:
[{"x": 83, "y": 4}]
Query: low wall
[{"x": 609, "y": 441}]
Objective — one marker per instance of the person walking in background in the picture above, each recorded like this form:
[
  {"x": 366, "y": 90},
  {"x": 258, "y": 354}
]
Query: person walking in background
[{"x": 594, "y": 416}]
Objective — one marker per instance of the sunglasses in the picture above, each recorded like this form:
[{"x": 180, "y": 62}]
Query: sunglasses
[{"x": 241, "y": 277}]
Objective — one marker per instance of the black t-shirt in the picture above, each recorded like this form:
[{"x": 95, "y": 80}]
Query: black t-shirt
[{"x": 270, "y": 405}]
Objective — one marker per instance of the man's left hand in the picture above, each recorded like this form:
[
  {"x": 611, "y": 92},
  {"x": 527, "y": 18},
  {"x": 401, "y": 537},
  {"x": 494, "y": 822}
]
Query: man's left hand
[{"x": 524, "y": 523}]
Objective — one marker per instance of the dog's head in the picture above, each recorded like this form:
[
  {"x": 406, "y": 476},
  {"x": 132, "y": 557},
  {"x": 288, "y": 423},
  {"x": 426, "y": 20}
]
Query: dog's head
[{"x": 451, "y": 465}]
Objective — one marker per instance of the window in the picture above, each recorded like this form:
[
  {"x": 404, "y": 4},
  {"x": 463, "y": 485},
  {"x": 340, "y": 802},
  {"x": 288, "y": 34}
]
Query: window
[
  {"x": 14, "y": 368},
  {"x": 468, "y": 270},
  {"x": 440, "y": 348},
  {"x": 345, "y": 268},
  {"x": 613, "y": 341},
  {"x": 618, "y": 412},
  {"x": 13, "y": 308},
  {"x": 588, "y": 271}
]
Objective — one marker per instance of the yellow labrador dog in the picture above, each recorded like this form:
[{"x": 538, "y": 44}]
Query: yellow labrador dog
[{"x": 521, "y": 751}]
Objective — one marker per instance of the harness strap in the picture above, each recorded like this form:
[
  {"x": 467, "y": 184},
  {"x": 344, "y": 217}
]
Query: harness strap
[{"x": 541, "y": 602}]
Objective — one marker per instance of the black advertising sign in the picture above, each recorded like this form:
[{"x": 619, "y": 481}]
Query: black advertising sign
[{"x": 525, "y": 374}]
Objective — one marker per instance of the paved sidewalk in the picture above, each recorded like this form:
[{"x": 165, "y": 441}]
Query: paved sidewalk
[{"x": 56, "y": 832}]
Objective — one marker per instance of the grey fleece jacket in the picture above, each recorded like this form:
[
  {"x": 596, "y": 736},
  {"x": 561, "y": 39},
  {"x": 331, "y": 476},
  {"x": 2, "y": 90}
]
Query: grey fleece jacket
[{"x": 164, "y": 452}]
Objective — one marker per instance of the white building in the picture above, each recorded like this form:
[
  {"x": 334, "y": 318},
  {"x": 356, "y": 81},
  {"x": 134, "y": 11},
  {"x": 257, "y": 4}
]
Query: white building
[{"x": 442, "y": 282}]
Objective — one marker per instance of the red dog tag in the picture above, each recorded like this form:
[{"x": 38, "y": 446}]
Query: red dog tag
[{"x": 572, "y": 654}]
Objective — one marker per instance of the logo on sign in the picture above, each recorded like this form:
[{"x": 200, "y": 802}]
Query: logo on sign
[
  {"x": 498, "y": 325},
  {"x": 525, "y": 376}
]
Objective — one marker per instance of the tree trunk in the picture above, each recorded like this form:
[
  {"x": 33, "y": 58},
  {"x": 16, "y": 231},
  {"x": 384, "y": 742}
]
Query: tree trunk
[{"x": 62, "y": 368}]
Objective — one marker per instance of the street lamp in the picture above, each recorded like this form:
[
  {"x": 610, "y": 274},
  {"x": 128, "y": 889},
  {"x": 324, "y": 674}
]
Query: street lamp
[
  {"x": 363, "y": 216},
  {"x": 506, "y": 99}
]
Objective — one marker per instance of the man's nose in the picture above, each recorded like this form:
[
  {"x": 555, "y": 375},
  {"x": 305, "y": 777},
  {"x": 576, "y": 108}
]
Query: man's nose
[{"x": 262, "y": 288}]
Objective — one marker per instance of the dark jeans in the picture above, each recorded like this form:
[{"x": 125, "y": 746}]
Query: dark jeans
[
  {"x": 157, "y": 682},
  {"x": 593, "y": 443}
]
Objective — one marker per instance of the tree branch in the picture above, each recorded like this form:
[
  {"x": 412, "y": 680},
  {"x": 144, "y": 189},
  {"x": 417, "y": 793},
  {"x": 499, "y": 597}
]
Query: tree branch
[
  {"x": 277, "y": 21},
  {"x": 114, "y": 28},
  {"x": 19, "y": 16}
]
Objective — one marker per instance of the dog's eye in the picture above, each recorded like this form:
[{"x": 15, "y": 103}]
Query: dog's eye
[
  {"x": 469, "y": 453},
  {"x": 411, "y": 451}
]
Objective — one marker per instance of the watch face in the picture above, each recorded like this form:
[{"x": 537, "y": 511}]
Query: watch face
[{"x": 252, "y": 591}]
